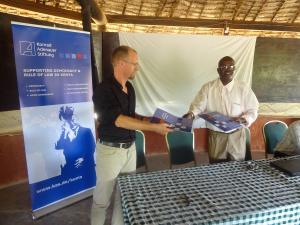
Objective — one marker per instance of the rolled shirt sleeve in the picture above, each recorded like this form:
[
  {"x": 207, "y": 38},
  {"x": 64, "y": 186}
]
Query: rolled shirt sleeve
[
  {"x": 251, "y": 106},
  {"x": 199, "y": 103}
]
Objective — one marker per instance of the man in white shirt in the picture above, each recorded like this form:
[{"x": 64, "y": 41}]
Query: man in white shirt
[
  {"x": 232, "y": 98},
  {"x": 290, "y": 143}
]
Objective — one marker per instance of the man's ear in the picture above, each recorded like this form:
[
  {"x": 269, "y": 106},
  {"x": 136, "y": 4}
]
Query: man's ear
[{"x": 121, "y": 62}]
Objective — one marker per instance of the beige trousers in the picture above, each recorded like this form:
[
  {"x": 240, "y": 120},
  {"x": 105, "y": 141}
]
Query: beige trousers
[
  {"x": 110, "y": 162},
  {"x": 226, "y": 147}
]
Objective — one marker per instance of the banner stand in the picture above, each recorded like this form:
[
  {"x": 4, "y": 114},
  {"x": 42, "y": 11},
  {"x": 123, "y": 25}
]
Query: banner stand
[
  {"x": 55, "y": 90},
  {"x": 62, "y": 203}
]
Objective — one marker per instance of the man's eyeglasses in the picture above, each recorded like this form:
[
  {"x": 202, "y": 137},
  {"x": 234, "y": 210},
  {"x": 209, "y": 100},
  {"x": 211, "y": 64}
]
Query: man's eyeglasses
[
  {"x": 134, "y": 64},
  {"x": 225, "y": 67}
]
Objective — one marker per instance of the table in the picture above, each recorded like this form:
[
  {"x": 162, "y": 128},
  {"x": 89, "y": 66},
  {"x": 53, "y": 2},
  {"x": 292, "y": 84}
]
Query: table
[{"x": 225, "y": 193}]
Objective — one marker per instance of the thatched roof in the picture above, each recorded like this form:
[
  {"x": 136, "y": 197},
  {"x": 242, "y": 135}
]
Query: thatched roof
[{"x": 280, "y": 18}]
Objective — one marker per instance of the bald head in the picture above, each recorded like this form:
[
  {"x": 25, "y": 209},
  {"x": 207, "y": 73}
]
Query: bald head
[
  {"x": 226, "y": 58},
  {"x": 226, "y": 69},
  {"x": 125, "y": 63},
  {"x": 121, "y": 53}
]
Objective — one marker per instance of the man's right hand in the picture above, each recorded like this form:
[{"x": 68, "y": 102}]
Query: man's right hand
[
  {"x": 135, "y": 124},
  {"x": 162, "y": 128}
]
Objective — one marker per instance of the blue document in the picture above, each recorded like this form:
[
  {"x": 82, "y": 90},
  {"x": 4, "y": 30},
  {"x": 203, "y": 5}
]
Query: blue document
[
  {"x": 223, "y": 123},
  {"x": 179, "y": 123}
]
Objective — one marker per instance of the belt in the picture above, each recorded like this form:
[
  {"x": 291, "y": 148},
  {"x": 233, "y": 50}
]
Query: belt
[
  {"x": 117, "y": 145},
  {"x": 219, "y": 132}
]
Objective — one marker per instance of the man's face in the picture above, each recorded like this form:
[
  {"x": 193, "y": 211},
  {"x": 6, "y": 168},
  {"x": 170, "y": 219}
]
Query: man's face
[
  {"x": 226, "y": 70},
  {"x": 132, "y": 65}
]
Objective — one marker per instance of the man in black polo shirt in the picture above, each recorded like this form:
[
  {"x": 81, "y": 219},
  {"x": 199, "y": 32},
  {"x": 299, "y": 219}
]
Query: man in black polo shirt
[{"x": 114, "y": 102}]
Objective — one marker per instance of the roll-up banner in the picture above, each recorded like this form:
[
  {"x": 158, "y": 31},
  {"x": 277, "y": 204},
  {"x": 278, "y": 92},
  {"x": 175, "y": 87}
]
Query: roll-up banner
[{"x": 55, "y": 91}]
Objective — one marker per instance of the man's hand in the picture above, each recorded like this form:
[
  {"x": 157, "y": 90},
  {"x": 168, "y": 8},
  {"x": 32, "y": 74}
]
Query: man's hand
[
  {"x": 241, "y": 120},
  {"x": 189, "y": 115},
  {"x": 162, "y": 128}
]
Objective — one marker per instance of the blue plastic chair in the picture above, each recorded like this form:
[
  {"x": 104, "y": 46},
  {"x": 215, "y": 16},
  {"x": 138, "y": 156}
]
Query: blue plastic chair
[
  {"x": 273, "y": 132},
  {"x": 181, "y": 147},
  {"x": 140, "y": 149}
]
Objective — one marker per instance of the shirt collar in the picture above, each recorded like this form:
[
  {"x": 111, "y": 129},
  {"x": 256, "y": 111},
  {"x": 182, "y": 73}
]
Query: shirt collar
[
  {"x": 75, "y": 129},
  {"x": 228, "y": 86},
  {"x": 115, "y": 82}
]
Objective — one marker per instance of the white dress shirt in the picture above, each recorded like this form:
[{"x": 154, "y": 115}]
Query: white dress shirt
[{"x": 236, "y": 99}]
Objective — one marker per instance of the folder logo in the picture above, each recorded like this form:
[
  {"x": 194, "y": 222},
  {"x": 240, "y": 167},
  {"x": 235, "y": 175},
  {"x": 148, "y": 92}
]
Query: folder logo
[
  {"x": 165, "y": 116},
  {"x": 27, "y": 48}
]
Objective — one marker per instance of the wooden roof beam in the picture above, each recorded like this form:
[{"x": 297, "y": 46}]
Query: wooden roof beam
[
  {"x": 204, "y": 4},
  {"x": 296, "y": 16},
  {"x": 141, "y": 6},
  {"x": 224, "y": 6},
  {"x": 237, "y": 9},
  {"x": 160, "y": 9},
  {"x": 264, "y": 2},
  {"x": 174, "y": 6},
  {"x": 124, "y": 8},
  {"x": 184, "y": 22},
  {"x": 277, "y": 10},
  {"x": 189, "y": 8},
  {"x": 249, "y": 10},
  {"x": 57, "y": 3}
]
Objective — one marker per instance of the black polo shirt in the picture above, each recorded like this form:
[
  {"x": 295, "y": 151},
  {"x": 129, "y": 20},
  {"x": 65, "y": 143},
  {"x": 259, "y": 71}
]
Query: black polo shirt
[{"x": 110, "y": 102}]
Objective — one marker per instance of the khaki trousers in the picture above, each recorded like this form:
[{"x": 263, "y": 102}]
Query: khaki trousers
[
  {"x": 226, "y": 147},
  {"x": 110, "y": 162}
]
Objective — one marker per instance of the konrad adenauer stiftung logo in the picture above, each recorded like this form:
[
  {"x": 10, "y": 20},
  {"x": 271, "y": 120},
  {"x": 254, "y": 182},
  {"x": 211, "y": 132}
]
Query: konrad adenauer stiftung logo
[{"x": 27, "y": 48}]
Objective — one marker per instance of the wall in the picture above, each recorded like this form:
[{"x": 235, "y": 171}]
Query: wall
[
  {"x": 276, "y": 65},
  {"x": 12, "y": 159},
  {"x": 12, "y": 154}
]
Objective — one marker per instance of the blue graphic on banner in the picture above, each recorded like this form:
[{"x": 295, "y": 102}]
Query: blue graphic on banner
[
  {"x": 77, "y": 171},
  {"x": 55, "y": 90}
]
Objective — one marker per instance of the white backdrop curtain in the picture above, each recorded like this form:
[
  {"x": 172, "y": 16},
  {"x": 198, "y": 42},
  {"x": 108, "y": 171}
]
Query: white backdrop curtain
[{"x": 174, "y": 67}]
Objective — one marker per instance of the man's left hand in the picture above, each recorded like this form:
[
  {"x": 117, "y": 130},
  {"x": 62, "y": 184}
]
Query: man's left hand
[{"x": 241, "y": 120}]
